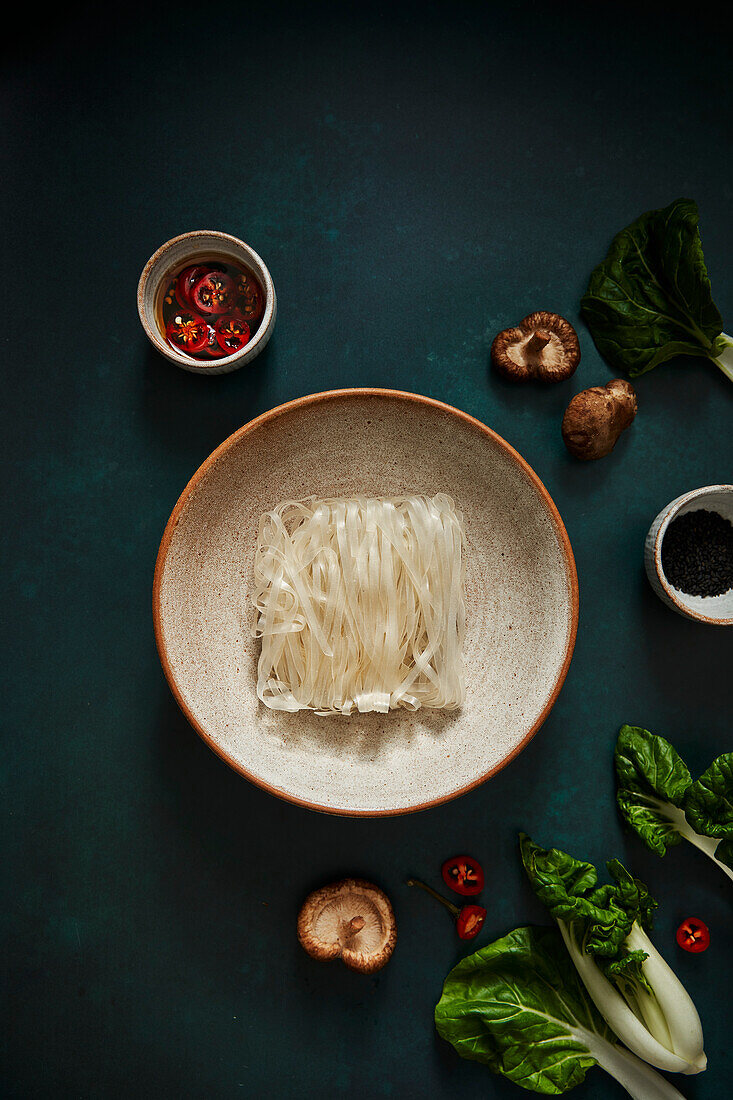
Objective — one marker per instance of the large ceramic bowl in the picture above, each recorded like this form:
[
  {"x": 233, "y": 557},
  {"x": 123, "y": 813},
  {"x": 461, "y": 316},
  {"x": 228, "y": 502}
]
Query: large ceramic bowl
[{"x": 521, "y": 601}]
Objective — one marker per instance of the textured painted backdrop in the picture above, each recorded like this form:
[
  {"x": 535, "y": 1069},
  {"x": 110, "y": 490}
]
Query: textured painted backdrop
[{"x": 416, "y": 179}]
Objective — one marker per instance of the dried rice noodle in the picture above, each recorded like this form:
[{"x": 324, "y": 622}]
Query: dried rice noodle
[{"x": 359, "y": 604}]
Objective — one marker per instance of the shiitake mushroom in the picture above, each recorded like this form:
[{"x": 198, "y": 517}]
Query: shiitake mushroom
[
  {"x": 595, "y": 419},
  {"x": 351, "y": 920},
  {"x": 543, "y": 346}
]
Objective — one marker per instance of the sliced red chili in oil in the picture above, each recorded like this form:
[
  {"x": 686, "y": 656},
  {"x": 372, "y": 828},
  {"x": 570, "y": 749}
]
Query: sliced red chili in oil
[
  {"x": 214, "y": 294},
  {"x": 186, "y": 281},
  {"x": 223, "y": 297},
  {"x": 232, "y": 333},
  {"x": 187, "y": 332},
  {"x": 213, "y": 349}
]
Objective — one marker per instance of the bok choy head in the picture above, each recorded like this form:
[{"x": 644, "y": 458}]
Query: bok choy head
[
  {"x": 519, "y": 1007},
  {"x": 658, "y": 799},
  {"x": 605, "y": 928}
]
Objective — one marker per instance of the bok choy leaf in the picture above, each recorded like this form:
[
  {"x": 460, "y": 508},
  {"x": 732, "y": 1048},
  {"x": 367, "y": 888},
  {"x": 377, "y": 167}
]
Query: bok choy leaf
[
  {"x": 519, "y": 1007},
  {"x": 658, "y": 799},
  {"x": 650, "y": 299}
]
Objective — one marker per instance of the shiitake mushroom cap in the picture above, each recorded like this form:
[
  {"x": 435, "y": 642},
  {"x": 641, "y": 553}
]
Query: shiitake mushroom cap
[
  {"x": 351, "y": 920},
  {"x": 543, "y": 345}
]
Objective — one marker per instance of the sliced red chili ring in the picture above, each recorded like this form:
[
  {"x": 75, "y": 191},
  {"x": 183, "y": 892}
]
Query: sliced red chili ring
[
  {"x": 213, "y": 348},
  {"x": 470, "y": 921},
  {"x": 250, "y": 300},
  {"x": 214, "y": 294},
  {"x": 187, "y": 280},
  {"x": 187, "y": 332},
  {"x": 232, "y": 333},
  {"x": 693, "y": 935},
  {"x": 464, "y": 875}
]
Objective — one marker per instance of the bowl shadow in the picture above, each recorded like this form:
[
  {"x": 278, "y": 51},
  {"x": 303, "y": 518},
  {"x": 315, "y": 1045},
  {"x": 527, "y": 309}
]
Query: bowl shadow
[
  {"x": 692, "y": 661},
  {"x": 366, "y": 736},
  {"x": 191, "y": 413}
]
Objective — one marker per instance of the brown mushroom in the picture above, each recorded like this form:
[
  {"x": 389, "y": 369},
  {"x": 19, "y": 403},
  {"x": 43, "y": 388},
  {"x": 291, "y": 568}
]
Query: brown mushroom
[
  {"x": 351, "y": 920},
  {"x": 543, "y": 345},
  {"x": 595, "y": 418}
]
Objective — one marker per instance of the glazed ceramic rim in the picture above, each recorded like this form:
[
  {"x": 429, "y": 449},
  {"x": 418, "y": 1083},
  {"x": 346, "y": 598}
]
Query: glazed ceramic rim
[
  {"x": 390, "y": 395},
  {"x": 226, "y": 363},
  {"x": 672, "y": 510}
]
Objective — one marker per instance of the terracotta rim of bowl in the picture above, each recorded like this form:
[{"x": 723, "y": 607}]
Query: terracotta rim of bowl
[
  {"x": 392, "y": 395},
  {"x": 688, "y": 612}
]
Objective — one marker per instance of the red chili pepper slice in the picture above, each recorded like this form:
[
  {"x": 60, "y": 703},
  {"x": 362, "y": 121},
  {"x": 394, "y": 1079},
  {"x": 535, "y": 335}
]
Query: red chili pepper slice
[
  {"x": 470, "y": 921},
  {"x": 232, "y": 333},
  {"x": 213, "y": 349},
  {"x": 187, "y": 280},
  {"x": 250, "y": 300},
  {"x": 464, "y": 875},
  {"x": 693, "y": 935},
  {"x": 187, "y": 332},
  {"x": 214, "y": 294}
]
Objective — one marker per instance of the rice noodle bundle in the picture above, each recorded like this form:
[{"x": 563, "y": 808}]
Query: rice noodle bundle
[{"x": 359, "y": 604}]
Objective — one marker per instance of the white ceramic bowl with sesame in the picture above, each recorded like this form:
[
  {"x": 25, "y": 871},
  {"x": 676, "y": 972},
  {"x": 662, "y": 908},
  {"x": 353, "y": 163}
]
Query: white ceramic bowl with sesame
[
  {"x": 716, "y": 610},
  {"x": 197, "y": 247}
]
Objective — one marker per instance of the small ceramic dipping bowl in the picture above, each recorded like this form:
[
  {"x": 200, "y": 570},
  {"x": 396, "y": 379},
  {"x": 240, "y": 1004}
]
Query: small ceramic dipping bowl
[
  {"x": 189, "y": 248},
  {"x": 717, "y": 610}
]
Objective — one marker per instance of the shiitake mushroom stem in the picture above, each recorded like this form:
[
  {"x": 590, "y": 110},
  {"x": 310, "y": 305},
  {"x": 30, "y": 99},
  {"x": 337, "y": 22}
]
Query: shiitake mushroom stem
[
  {"x": 355, "y": 924},
  {"x": 537, "y": 341}
]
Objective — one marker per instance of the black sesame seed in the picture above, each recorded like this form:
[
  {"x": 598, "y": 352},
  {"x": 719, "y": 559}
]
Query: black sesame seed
[{"x": 697, "y": 553}]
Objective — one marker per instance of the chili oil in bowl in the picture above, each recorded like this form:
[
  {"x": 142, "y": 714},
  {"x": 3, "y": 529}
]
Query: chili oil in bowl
[
  {"x": 207, "y": 302},
  {"x": 689, "y": 555}
]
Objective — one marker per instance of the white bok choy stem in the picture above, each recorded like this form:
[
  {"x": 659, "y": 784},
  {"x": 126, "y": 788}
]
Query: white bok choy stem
[
  {"x": 639, "y": 1079},
  {"x": 676, "y": 816},
  {"x": 630, "y": 1029},
  {"x": 680, "y": 1014}
]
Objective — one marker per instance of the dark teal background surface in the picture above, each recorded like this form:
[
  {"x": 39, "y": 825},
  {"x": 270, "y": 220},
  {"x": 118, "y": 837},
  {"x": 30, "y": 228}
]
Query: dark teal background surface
[{"x": 416, "y": 178}]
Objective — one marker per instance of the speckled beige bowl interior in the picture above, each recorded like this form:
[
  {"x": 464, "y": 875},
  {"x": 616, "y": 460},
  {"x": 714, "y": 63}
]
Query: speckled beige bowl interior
[{"x": 521, "y": 596}]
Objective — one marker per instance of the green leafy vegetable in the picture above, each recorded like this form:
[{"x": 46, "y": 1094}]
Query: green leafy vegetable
[
  {"x": 650, "y": 772},
  {"x": 709, "y": 806},
  {"x": 657, "y": 797},
  {"x": 569, "y": 889},
  {"x": 518, "y": 1006},
  {"x": 604, "y": 928},
  {"x": 650, "y": 299}
]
